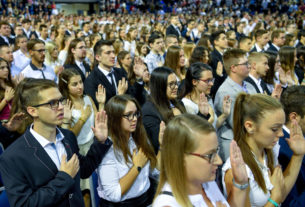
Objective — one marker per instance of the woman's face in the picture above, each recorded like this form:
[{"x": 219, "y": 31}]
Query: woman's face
[
  {"x": 126, "y": 61},
  {"x": 267, "y": 132},
  {"x": 22, "y": 43},
  {"x": 181, "y": 59},
  {"x": 76, "y": 86},
  {"x": 62, "y": 29},
  {"x": 134, "y": 34},
  {"x": 54, "y": 53},
  {"x": 198, "y": 169},
  {"x": 172, "y": 87},
  {"x": 144, "y": 50},
  {"x": 129, "y": 119},
  {"x": 205, "y": 83},
  {"x": 205, "y": 57},
  {"x": 146, "y": 75},
  {"x": 4, "y": 70}
]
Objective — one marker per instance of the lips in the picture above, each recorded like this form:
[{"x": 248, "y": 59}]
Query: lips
[{"x": 60, "y": 116}]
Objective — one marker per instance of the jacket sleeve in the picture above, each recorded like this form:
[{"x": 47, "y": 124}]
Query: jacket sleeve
[{"x": 19, "y": 191}]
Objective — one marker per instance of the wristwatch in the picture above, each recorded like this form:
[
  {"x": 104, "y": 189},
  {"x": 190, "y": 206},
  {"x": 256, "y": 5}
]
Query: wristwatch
[{"x": 139, "y": 169}]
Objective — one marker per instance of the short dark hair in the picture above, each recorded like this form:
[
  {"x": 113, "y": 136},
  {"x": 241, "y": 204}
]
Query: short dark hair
[
  {"x": 215, "y": 36},
  {"x": 98, "y": 46},
  {"x": 293, "y": 100},
  {"x": 260, "y": 33},
  {"x": 26, "y": 21},
  {"x": 84, "y": 23},
  {"x": 276, "y": 34},
  {"x": 42, "y": 26},
  {"x": 4, "y": 23},
  {"x": 31, "y": 43},
  {"x": 153, "y": 37}
]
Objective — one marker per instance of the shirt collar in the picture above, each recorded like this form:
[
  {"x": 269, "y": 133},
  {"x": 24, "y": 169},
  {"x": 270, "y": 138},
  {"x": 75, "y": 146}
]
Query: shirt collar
[
  {"x": 35, "y": 68},
  {"x": 258, "y": 48},
  {"x": 286, "y": 129},
  {"x": 257, "y": 81},
  {"x": 278, "y": 48},
  {"x": 105, "y": 72},
  {"x": 44, "y": 141}
]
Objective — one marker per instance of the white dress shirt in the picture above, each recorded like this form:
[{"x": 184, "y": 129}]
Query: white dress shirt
[
  {"x": 106, "y": 73},
  {"x": 113, "y": 168},
  {"x": 54, "y": 154},
  {"x": 45, "y": 73},
  {"x": 20, "y": 59},
  {"x": 257, "y": 82}
]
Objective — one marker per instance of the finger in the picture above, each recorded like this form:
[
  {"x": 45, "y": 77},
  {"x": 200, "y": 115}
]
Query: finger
[{"x": 63, "y": 158}]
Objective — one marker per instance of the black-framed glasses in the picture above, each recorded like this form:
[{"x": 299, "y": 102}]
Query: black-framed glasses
[
  {"x": 131, "y": 116},
  {"x": 40, "y": 51},
  {"x": 172, "y": 85},
  {"x": 209, "y": 157},
  {"x": 54, "y": 104},
  {"x": 244, "y": 64},
  {"x": 207, "y": 81}
]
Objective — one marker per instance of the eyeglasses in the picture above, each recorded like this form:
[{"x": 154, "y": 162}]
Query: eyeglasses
[
  {"x": 131, "y": 116},
  {"x": 245, "y": 64},
  {"x": 54, "y": 104},
  {"x": 82, "y": 47},
  {"x": 207, "y": 81},
  {"x": 40, "y": 51},
  {"x": 209, "y": 157},
  {"x": 172, "y": 85}
]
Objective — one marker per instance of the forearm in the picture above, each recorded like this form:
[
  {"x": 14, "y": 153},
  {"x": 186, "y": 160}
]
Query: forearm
[
  {"x": 78, "y": 126},
  {"x": 3, "y": 104},
  {"x": 291, "y": 173},
  {"x": 238, "y": 197},
  {"x": 127, "y": 181},
  {"x": 221, "y": 119}
]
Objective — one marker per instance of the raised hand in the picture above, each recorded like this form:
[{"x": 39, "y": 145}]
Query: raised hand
[
  {"x": 161, "y": 132},
  {"x": 122, "y": 86},
  {"x": 139, "y": 159},
  {"x": 203, "y": 104},
  {"x": 71, "y": 167},
  {"x": 296, "y": 140},
  {"x": 68, "y": 111},
  {"x": 276, "y": 93},
  {"x": 100, "y": 94},
  {"x": 100, "y": 128},
  {"x": 17, "y": 79},
  {"x": 138, "y": 67},
  {"x": 15, "y": 122},
  {"x": 239, "y": 171},
  {"x": 278, "y": 182},
  {"x": 219, "y": 69},
  {"x": 9, "y": 93},
  {"x": 226, "y": 105},
  {"x": 212, "y": 116}
]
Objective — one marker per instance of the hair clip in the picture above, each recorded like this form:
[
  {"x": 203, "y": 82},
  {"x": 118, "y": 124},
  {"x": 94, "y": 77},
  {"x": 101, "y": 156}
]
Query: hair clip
[{"x": 64, "y": 81}]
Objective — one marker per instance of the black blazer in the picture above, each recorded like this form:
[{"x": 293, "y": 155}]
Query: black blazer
[
  {"x": 171, "y": 30},
  {"x": 96, "y": 77},
  {"x": 10, "y": 40},
  {"x": 151, "y": 120},
  {"x": 272, "y": 49},
  {"x": 264, "y": 85},
  {"x": 87, "y": 68},
  {"x": 32, "y": 179},
  {"x": 215, "y": 58}
]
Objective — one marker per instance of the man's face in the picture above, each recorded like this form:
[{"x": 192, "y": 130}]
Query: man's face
[
  {"x": 7, "y": 54},
  {"x": 263, "y": 40},
  {"x": 191, "y": 25},
  {"x": 279, "y": 41},
  {"x": 246, "y": 45},
  {"x": 262, "y": 67},
  {"x": 45, "y": 114},
  {"x": 175, "y": 20},
  {"x": 86, "y": 28},
  {"x": 200, "y": 27},
  {"x": 222, "y": 41},
  {"x": 5, "y": 30},
  {"x": 44, "y": 32},
  {"x": 172, "y": 41},
  {"x": 80, "y": 51},
  {"x": 18, "y": 30},
  {"x": 107, "y": 57},
  {"x": 38, "y": 53},
  {"x": 157, "y": 45},
  {"x": 27, "y": 26},
  {"x": 242, "y": 69}
]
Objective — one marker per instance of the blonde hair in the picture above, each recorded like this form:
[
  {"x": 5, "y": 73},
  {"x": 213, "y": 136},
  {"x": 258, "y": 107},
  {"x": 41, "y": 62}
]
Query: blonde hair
[
  {"x": 50, "y": 46},
  {"x": 256, "y": 56},
  {"x": 179, "y": 139},
  {"x": 188, "y": 49}
]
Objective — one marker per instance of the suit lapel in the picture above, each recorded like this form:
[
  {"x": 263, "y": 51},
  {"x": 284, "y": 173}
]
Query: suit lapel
[
  {"x": 249, "y": 80},
  {"x": 68, "y": 149},
  {"x": 104, "y": 81},
  {"x": 39, "y": 153}
]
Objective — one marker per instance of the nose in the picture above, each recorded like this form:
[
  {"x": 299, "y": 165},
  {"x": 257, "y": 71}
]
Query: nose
[
  {"x": 217, "y": 160},
  {"x": 280, "y": 134}
]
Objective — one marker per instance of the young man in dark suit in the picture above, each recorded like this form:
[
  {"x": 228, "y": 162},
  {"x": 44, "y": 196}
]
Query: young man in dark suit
[
  {"x": 220, "y": 43},
  {"x": 173, "y": 27},
  {"x": 113, "y": 79},
  {"x": 293, "y": 100},
  {"x": 278, "y": 40},
  {"x": 76, "y": 58},
  {"x": 5, "y": 32},
  {"x": 43, "y": 167},
  {"x": 261, "y": 40}
]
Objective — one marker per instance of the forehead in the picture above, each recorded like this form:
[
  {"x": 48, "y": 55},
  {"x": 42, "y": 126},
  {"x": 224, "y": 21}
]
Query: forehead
[
  {"x": 130, "y": 106},
  {"x": 273, "y": 117},
  {"x": 75, "y": 78},
  {"x": 107, "y": 48},
  {"x": 242, "y": 59},
  {"x": 206, "y": 74},
  {"x": 49, "y": 94},
  {"x": 39, "y": 45},
  {"x": 205, "y": 142},
  {"x": 171, "y": 78}
]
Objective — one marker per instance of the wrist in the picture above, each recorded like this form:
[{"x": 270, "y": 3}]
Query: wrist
[
  {"x": 240, "y": 186},
  {"x": 275, "y": 203}
]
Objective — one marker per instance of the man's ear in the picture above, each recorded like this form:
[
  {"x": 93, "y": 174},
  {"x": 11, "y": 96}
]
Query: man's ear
[
  {"x": 250, "y": 126},
  {"x": 294, "y": 116},
  {"x": 32, "y": 111}
]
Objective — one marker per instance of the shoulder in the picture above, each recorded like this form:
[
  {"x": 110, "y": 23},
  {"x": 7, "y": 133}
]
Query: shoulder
[{"x": 165, "y": 199}]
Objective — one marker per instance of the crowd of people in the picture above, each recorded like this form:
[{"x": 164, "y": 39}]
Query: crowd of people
[{"x": 201, "y": 108}]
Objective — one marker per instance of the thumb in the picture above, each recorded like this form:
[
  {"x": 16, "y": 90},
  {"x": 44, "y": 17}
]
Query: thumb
[{"x": 134, "y": 153}]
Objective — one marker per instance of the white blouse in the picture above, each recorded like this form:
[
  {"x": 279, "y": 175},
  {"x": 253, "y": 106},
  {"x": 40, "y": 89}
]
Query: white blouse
[
  {"x": 257, "y": 196},
  {"x": 211, "y": 189},
  {"x": 112, "y": 168},
  {"x": 86, "y": 133}
]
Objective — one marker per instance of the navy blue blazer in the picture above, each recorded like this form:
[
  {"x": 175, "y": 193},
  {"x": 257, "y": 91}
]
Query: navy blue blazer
[
  {"x": 296, "y": 197},
  {"x": 32, "y": 179}
]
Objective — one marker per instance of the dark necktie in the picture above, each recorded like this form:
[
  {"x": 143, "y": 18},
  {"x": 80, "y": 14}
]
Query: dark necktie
[{"x": 112, "y": 81}]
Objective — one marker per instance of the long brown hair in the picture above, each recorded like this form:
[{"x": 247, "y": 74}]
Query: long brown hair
[
  {"x": 252, "y": 107},
  {"x": 7, "y": 81},
  {"x": 172, "y": 60},
  {"x": 70, "y": 57},
  {"x": 115, "y": 108},
  {"x": 178, "y": 139}
]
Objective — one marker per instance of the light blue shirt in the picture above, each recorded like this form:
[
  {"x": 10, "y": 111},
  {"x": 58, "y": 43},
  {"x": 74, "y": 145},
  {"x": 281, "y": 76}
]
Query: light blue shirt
[{"x": 152, "y": 61}]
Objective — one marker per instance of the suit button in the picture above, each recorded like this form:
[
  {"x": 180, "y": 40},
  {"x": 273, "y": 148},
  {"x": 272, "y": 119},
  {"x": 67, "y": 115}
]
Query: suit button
[{"x": 70, "y": 195}]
